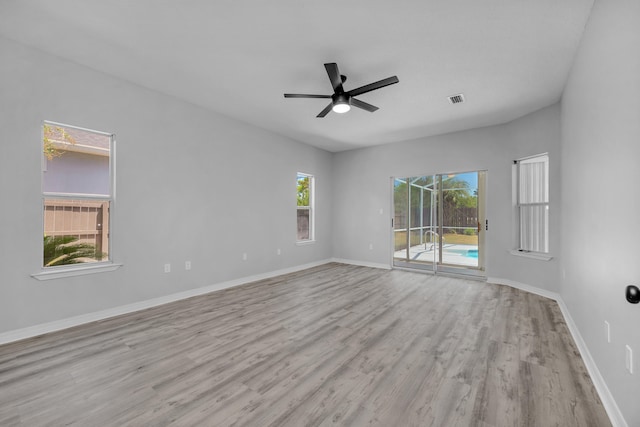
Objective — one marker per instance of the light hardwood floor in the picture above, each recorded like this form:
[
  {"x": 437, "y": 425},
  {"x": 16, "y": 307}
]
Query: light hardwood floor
[{"x": 333, "y": 345}]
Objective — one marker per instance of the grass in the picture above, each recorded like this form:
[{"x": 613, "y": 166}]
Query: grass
[{"x": 461, "y": 239}]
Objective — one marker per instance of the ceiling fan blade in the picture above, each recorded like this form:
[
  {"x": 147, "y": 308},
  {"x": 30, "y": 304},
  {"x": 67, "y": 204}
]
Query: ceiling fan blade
[
  {"x": 304, "y": 95},
  {"x": 365, "y": 106},
  {"x": 334, "y": 76},
  {"x": 373, "y": 86},
  {"x": 325, "y": 111}
]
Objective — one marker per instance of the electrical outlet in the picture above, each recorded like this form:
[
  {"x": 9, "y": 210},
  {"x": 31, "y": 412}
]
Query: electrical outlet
[
  {"x": 187, "y": 265},
  {"x": 607, "y": 331},
  {"x": 167, "y": 268},
  {"x": 244, "y": 256},
  {"x": 279, "y": 252},
  {"x": 628, "y": 359},
  {"x": 370, "y": 246}
]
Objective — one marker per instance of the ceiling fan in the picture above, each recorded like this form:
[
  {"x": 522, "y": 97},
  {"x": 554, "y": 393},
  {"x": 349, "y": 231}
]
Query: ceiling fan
[{"x": 342, "y": 101}]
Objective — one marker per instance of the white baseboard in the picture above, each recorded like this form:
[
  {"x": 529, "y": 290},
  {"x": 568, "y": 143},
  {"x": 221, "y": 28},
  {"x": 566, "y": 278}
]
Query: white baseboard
[
  {"x": 362, "y": 263},
  {"x": 524, "y": 287},
  {"x": 609, "y": 403},
  {"x": 57, "y": 325}
]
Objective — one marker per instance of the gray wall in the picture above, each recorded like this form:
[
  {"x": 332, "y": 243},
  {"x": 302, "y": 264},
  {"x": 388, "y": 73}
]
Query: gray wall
[
  {"x": 600, "y": 204},
  {"x": 191, "y": 185},
  {"x": 362, "y": 186}
]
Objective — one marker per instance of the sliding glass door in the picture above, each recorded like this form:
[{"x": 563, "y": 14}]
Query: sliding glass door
[{"x": 439, "y": 222}]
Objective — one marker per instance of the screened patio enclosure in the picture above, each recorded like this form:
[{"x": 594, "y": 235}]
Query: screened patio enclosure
[{"x": 439, "y": 222}]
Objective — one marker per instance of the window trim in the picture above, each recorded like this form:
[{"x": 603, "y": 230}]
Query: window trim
[
  {"x": 62, "y": 272},
  {"x": 55, "y": 272},
  {"x": 519, "y": 250},
  {"x": 533, "y": 255},
  {"x": 310, "y": 208}
]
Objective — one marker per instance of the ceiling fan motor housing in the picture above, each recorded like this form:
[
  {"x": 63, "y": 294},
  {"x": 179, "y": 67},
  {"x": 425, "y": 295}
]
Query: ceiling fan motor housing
[{"x": 341, "y": 98}]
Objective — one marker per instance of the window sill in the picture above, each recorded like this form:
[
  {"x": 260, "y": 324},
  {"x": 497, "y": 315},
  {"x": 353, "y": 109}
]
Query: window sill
[
  {"x": 533, "y": 255},
  {"x": 59, "y": 273},
  {"x": 305, "y": 242}
]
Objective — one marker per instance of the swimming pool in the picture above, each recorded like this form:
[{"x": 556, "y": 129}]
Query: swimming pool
[
  {"x": 452, "y": 254},
  {"x": 468, "y": 253}
]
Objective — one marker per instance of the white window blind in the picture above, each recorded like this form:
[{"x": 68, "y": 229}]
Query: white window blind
[{"x": 533, "y": 203}]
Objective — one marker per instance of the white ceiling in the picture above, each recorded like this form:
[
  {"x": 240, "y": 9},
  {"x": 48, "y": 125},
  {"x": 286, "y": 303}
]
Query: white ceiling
[{"x": 508, "y": 57}]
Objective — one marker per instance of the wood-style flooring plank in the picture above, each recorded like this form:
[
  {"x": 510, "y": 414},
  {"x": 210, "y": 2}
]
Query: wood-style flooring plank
[{"x": 335, "y": 345}]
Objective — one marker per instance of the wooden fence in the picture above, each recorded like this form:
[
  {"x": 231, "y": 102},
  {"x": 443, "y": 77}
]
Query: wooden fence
[{"x": 85, "y": 219}]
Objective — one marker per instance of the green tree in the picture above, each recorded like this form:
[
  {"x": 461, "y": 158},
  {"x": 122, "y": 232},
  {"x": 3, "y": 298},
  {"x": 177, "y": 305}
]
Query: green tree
[
  {"x": 51, "y": 136},
  {"x": 63, "y": 250},
  {"x": 303, "y": 190},
  {"x": 457, "y": 194}
]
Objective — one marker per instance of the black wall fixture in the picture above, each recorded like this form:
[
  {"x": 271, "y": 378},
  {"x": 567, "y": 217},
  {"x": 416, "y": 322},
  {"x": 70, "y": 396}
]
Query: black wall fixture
[{"x": 633, "y": 294}]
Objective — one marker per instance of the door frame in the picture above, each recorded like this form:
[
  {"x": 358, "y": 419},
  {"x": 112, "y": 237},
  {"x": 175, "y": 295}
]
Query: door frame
[{"x": 436, "y": 266}]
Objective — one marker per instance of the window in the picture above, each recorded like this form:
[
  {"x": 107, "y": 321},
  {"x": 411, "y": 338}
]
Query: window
[
  {"x": 77, "y": 193},
  {"x": 533, "y": 203},
  {"x": 305, "y": 214}
]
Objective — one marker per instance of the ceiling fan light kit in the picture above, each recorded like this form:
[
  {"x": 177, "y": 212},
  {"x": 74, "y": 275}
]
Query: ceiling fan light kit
[
  {"x": 341, "y": 100},
  {"x": 340, "y": 103}
]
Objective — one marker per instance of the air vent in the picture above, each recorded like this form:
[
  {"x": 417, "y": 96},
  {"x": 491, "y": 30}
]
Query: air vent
[{"x": 456, "y": 99}]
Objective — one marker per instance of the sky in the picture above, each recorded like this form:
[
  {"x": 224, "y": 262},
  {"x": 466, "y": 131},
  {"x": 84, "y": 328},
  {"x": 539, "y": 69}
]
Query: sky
[{"x": 470, "y": 177}]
